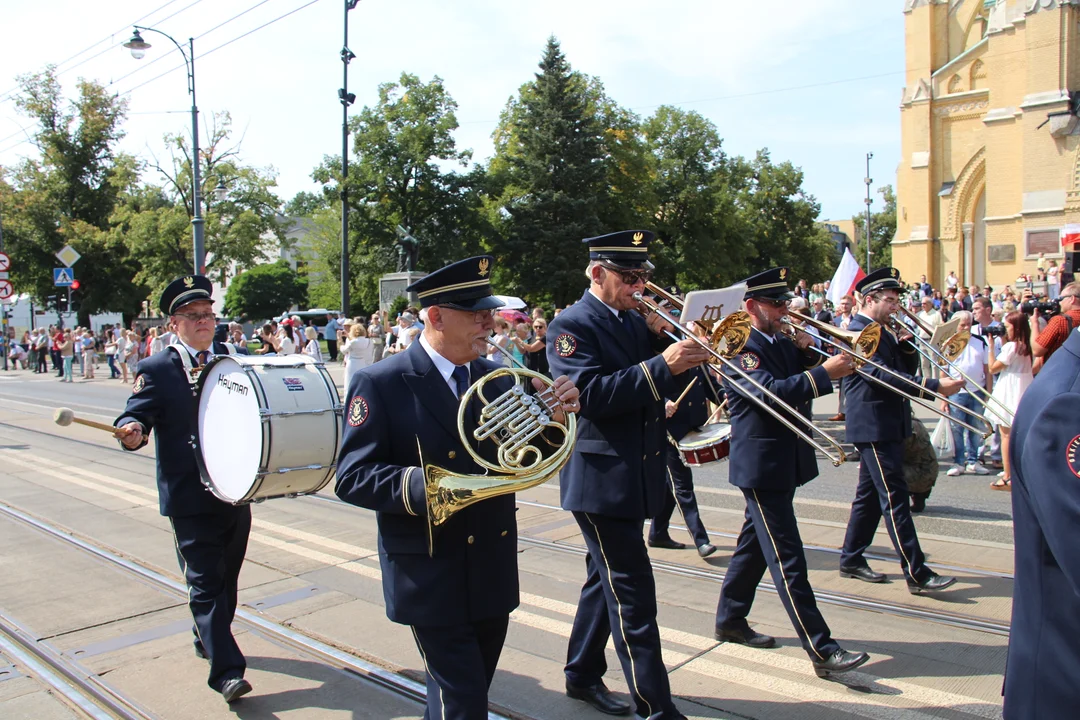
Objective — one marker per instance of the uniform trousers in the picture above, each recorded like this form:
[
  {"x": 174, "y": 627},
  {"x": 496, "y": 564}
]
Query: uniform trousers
[
  {"x": 210, "y": 549},
  {"x": 681, "y": 481},
  {"x": 770, "y": 539},
  {"x": 619, "y": 594},
  {"x": 460, "y": 662},
  {"x": 882, "y": 492}
]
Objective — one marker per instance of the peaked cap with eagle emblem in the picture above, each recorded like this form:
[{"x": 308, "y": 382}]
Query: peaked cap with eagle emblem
[
  {"x": 771, "y": 285},
  {"x": 463, "y": 285},
  {"x": 184, "y": 290},
  {"x": 627, "y": 249},
  {"x": 885, "y": 278}
]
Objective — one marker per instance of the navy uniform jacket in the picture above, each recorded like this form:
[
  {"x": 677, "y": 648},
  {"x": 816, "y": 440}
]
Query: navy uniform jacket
[
  {"x": 617, "y": 467},
  {"x": 693, "y": 411},
  {"x": 762, "y": 447},
  {"x": 162, "y": 400},
  {"x": 875, "y": 413},
  {"x": 1040, "y": 677},
  {"x": 392, "y": 407}
]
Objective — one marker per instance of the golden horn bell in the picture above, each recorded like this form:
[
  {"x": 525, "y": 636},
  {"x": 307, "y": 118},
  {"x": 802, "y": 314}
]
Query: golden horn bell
[
  {"x": 863, "y": 343},
  {"x": 512, "y": 421}
]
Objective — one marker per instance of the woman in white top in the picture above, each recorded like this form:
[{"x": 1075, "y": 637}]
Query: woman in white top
[
  {"x": 311, "y": 348},
  {"x": 156, "y": 345},
  {"x": 502, "y": 339},
  {"x": 358, "y": 350},
  {"x": 287, "y": 341},
  {"x": 1053, "y": 280},
  {"x": 1014, "y": 366}
]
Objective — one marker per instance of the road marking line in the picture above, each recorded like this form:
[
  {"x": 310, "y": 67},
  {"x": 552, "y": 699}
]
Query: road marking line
[{"x": 905, "y": 692}]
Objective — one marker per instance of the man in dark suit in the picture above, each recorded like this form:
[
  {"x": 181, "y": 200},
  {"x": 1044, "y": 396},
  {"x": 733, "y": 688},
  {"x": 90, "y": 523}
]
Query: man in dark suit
[
  {"x": 1040, "y": 674},
  {"x": 690, "y": 414},
  {"x": 211, "y": 535},
  {"x": 878, "y": 422},
  {"x": 615, "y": 478},
  {"x": 768, "y": 462},
  {"x": 457, "y": 592}
]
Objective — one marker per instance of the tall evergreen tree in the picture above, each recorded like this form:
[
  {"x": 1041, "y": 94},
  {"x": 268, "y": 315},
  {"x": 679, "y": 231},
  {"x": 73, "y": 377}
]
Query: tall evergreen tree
[{"x": 550, "y": 161}]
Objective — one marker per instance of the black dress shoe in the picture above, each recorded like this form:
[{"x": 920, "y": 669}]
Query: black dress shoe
[
  {"x": 234, "y": 689},
  {"x": 599, "y": 697},
  {"x": 918, "y": 503},
  {"x": 861, "y": 572},
  {"x": 745, "y": 637},
  {"x": 932, "y": 583},
  {"x": 666, "y": 543},
  {"x": 706, "y": 550},
  {"x": 200, "y": 651},
  {"x": 839, "y": 662}
]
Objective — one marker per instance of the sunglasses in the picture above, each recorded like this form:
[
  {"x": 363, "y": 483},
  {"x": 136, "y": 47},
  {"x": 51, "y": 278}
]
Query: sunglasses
[{"x": 630, "y": 277}]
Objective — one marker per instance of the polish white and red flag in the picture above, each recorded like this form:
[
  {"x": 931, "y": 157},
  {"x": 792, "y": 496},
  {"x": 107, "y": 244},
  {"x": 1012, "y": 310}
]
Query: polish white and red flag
[
  {"x": 1070, "y": 234},
  {"x": 845, "y": 277}
]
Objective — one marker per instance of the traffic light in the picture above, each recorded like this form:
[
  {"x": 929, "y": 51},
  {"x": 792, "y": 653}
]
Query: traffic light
[
  {"x": 62, "y": 301},
  {"x": 75, "y": 284}
]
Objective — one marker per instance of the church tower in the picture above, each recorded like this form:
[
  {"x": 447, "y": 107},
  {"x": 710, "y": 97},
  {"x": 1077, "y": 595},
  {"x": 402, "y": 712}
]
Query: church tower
[{"x": 989, "y": 137}]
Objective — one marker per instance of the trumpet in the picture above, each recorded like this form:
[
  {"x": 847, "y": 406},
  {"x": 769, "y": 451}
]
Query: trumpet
[
  {"x": 862, "y": 346},
  {"x": 734, "y": 331},
  {"x": 512, "y": 420}
]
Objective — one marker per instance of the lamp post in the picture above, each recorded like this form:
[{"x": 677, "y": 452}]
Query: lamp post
[
  {"x": 138, "y": 48},
  {"x": 868, "y": 180},
  {"x": 347, "y": 98}
]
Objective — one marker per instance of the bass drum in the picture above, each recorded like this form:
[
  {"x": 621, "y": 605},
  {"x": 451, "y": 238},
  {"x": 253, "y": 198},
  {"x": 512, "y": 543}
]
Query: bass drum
[
  {"x": 710, "y": 444},
  {"x": 267, "y": 427}
]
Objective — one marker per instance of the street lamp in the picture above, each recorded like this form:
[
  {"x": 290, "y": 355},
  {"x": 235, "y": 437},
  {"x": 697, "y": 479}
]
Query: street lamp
[
  {"x": 138, "y": 48},
  {"x": 221, "y": 193},
  {"x": 346, "y": 98}
]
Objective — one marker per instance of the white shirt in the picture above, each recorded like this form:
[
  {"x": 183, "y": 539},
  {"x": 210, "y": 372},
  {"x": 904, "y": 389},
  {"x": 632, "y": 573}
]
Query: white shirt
[
  {"x": 444, "y": 366},
  {"x": 192, "y": 351},
  {"x": 973, "y": 362},
  {"x": 770, "y": 338}
]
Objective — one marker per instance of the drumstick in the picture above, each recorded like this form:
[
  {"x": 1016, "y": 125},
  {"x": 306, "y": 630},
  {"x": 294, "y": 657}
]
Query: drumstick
[
  {"x": 716, "y": 413},
  {"x": 65, "y": 416},
  {"x": 689, "y": 385}
]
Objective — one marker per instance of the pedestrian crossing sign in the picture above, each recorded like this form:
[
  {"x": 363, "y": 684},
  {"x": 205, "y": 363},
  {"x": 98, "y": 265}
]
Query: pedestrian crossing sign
[{"x": 63, "y": 277}]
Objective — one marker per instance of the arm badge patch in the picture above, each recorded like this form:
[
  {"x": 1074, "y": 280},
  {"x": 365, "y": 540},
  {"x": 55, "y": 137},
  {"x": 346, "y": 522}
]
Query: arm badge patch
[
  {"x": 565, "y": 345},
  {"x": 1072, "y": 455},
  {"x": 140, "y": 383},
  {"x": 358, "y": 411},
  {"x": 749, "y": 361}
]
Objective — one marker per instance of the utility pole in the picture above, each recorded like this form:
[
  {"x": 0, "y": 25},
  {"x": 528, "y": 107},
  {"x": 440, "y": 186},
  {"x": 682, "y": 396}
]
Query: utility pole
[
  {"x": 868, "y": 180},
  {"x": 347, "y": 98},
  {"x": 3, "y": 306}
]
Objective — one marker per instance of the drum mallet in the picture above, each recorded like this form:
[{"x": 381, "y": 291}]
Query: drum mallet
[
  {"x": 688, "y": 386},
  {"x": 65, "y": 416}
]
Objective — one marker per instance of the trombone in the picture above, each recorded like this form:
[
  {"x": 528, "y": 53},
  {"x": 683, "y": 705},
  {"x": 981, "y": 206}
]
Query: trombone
[
  {"x": 733, "y": 331},
  {"x": 511, "y": 420},
  {"x": 950, "y": 350},
  {"x": 862, "y": 346}
]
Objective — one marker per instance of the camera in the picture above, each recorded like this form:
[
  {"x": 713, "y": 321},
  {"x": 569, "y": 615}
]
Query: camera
[
  {"x": 1051, "y": 307},
  {"x": 994, "y": 331}
]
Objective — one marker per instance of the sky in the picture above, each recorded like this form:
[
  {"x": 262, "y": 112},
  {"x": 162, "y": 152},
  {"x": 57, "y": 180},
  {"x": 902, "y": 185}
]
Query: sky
[{"x": 817, "y": 82}]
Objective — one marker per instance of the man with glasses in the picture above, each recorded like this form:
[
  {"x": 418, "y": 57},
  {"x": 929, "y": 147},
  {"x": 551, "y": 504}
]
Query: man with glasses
[
  {"x": 458, "y": 598},
  {"x": 211, "y": 535},
  {"x": 615, "y": 479},
  {"x": 1047, "y": 341},
  {"x": 878, "y": 422}
]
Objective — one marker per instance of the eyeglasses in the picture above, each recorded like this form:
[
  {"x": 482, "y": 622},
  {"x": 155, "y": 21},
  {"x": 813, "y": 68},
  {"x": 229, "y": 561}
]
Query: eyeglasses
[
  {"x": 772, "y": 303},
  {"x": 539, "y": 327},
  {"x": 479, "y": 316},
  {"x": 195, "y": 317},
  {"x": 630, "y": 277}
]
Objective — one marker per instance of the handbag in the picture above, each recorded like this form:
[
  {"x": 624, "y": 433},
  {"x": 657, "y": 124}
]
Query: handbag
[{"x": 942, "y": 439}]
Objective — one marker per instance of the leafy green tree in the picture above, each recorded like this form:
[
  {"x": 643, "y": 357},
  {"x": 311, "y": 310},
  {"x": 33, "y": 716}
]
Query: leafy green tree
[
  {"x": 882, "y": 232},
  {"x": 264, "y": 291},
  {"x": 68, "y": 193},
  {"x": 304, "y": 204},
  {"x": 779, "y": 219},
  {"x": 399, "y": 178},
  {"x": 553, "y": 179}
]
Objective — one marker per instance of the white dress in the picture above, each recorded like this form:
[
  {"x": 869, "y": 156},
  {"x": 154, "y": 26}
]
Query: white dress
[
  {"x": 358, "y": 354},
  {"x": 1010, "y": 385}
]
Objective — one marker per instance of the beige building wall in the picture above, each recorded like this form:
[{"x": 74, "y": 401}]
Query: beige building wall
[{"x": 989, "y": 141}]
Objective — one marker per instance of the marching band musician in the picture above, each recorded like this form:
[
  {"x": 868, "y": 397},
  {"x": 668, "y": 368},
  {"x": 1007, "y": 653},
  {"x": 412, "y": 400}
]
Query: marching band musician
[
  {"x": 458, "y": 599},
  {"x": 211, "y": 535},
  {"x": 605, "y": 347},
  {"x": 1040, "y": 673},
  {"x": 878, "y": 421},
  {"x": 768, "y": 462}
]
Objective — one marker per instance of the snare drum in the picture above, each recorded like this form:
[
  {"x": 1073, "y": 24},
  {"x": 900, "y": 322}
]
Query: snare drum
[
  {"x": 707, "y": 445},
  {"x": 267, "y": 427}
]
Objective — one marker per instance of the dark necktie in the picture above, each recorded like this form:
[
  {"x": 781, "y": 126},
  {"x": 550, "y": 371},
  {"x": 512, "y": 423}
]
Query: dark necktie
[
  {"x": 461, "y": 379},
  {"x": 628, "y": 326},
  {"x": 203, "y": 357}
]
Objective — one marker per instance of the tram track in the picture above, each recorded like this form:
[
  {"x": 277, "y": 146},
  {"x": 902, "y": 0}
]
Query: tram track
[
  {"x": 276, "y": 632},
  {"x": 850, "y": 601},
  {"x": 82, "y": 690}
]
